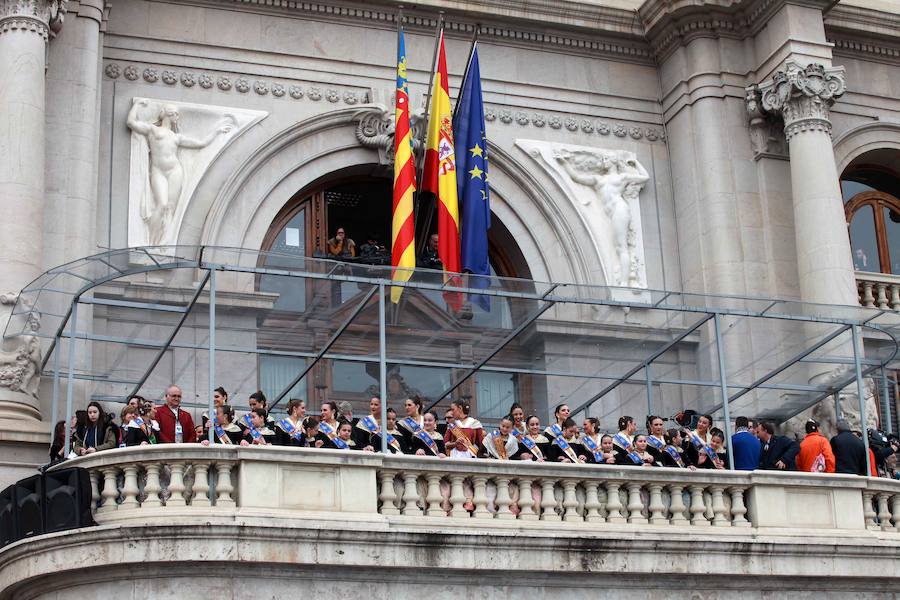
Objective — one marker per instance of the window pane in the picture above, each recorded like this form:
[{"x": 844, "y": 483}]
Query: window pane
[
  {"x": 496, "y": 393},
  {"x": 892, "y": 228},
  {"x": 291, "y": 290},
  {"x": 863, "y": 240},
  {"x": 852, "y": 188},
  {"x": 275, "y": 372}
]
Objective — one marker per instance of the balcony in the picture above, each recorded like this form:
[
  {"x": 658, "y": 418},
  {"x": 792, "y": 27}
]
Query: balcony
[
  {"x": 196, "y": 516},
  {"x": 878, "y": 290}
]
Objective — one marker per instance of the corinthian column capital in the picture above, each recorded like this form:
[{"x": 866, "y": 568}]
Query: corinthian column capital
[
  {"x": 43, "y": 17},
  {"x": 801, "y": 95}
]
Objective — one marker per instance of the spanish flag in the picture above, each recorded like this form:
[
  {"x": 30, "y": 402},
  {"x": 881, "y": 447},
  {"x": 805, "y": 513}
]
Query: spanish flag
[
  {"x": 403, "y": 247},
  {"x": 439, "y": 177}
]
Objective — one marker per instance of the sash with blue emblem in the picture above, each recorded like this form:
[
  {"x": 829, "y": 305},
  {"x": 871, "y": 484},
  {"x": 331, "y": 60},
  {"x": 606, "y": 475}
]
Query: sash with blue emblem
[
  {"x": 292, "y": 431},
  {"x": 254, "y": 432},
  {"x": 562, "y": 443},
  {"x": 594, "y": 448},
  {"x": 332, "y": 435},
  {"x": 529, "y": 443},
  {"x": 372, "y": 427}
]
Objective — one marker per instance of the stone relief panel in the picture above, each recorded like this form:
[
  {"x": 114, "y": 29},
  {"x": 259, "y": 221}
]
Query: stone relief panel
[
  {"x": 172, "y": 145},
  {"x": 604, "y": 186}
]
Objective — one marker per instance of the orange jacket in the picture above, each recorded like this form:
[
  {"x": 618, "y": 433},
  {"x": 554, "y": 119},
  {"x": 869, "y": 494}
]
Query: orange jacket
[{"x": 812, "y": 445}]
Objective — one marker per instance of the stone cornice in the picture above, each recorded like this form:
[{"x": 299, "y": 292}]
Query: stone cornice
[
  {"x": 869, "y": 34},
  {"x": 569, "y": 26},
  {"x": 670, "y": 23}
]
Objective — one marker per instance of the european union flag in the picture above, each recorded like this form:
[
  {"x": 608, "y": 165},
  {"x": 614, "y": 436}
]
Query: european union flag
[{"x": 472, "y": 183}]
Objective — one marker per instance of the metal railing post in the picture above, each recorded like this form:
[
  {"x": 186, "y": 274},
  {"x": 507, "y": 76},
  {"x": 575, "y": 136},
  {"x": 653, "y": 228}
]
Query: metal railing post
[
  {"x": 862, "y": 399},
  {"x": 724, "y": 388},
  {"x": 649, "y": 379},
  {"x": 70, "y": 375},
  {"x": 382, "y": 366}
]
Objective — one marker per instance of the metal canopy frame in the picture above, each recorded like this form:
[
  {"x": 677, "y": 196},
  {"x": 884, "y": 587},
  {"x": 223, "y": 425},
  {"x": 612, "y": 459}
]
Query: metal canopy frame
[{"x": 48, "y": 309}]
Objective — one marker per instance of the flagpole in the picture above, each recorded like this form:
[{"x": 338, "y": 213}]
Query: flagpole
[
  {"x": 468, "y": 64},
  {"x": 420, "y": 243}
]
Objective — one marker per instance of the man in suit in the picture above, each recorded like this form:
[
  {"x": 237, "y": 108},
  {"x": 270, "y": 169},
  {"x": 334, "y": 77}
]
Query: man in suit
[{"x": 779, "y": 453}]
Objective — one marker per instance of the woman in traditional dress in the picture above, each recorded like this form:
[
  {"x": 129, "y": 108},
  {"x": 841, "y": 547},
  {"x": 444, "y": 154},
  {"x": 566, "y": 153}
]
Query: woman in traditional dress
[
  {"x": 291, "y": 433},
  {"x": 640, "y": 448},
  {"x": 560, "y": 414},
  {"x": 397, "y": 447},
  {"x": 570, "y": 448},
  {"x": 537, "y": 445},
  {"x": 695, "y": 440},
  {"x": 258, "y": 432},
  {"x": 465, "y": 434},
  {"x": 328, "y": 424},
  {"x": 518, "y": 416},
  {"x": 420, "y": 444},
  {"x": 361, "y": 434},
  {"x": 501, "y": 444},
  {"x": 623, "y": 441},
  {"x": 412, "y": 423},
  {"x": 229, "y": 432},
  {"x": 717, "y": 445},
  {"x": 608, "y": 449},
  {"x": 590, "y": 440}
]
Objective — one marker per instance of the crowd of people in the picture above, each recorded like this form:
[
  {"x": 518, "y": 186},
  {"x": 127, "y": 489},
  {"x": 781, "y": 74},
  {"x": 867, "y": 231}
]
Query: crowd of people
[{"x": 459, "y": 435}]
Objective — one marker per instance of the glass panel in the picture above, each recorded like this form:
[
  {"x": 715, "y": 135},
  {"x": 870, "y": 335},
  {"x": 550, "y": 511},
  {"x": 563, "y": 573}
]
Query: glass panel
[
  {"x": 496, "y": 393},
  {"x": 291, "y": 241},
  {"x": 852, "y": 188},
  {"x": 892, "y": 229},
  {"x": 863, "y": 240},
  {"x": 275, "y": 372}
]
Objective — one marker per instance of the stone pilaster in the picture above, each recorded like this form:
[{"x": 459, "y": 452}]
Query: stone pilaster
[
  {"x": 802, "y": 96},
  {"x": 25, "y": 28}
]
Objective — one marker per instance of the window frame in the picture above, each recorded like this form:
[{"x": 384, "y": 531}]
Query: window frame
[{"x": 878, "y": 201}]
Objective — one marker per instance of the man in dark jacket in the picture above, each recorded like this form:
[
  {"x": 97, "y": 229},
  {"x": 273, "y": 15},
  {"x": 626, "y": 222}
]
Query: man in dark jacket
[
  {"x": 779, "y": 453},
  {"x": 849, "y": 451}
]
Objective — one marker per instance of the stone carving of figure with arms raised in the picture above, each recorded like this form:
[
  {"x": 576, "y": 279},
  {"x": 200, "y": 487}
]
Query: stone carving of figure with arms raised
[
  {"x": 167, "y": 174},
  {"x": 614, "y": 177}
]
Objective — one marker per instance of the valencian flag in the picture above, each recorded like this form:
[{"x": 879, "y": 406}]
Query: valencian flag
[
  {"x": 472, "y": 173},
  {"x": 403, "y": 247},
  {"x": 439, "y": 176}
]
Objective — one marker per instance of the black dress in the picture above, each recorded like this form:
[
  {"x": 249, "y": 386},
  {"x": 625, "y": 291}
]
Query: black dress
[
  {"x": 416, "y": 444},
  {"x": 285, "y": 438},
  {"x": 267, "y": 434},
  {"x": 556, "y": 453}
]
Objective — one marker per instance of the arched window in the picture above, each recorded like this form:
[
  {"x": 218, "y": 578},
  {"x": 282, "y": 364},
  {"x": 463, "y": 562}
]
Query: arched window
[{"x": 872, "y": 207}]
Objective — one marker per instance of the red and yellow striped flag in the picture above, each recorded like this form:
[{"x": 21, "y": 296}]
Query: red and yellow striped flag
[
  {"x": 440, "y": 173},
  {"x": 403, "y": 233}
]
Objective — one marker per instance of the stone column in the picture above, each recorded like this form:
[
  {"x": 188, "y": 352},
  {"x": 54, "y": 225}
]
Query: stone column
[
  {"x": 25, "y": 27},
  {"x": 802, "y": 96}
]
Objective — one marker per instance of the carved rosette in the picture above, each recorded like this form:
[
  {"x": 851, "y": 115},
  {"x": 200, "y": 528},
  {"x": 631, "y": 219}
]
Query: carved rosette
[
  {"x": 802, "y": 96},
  {"x": 43, "y": 17}
]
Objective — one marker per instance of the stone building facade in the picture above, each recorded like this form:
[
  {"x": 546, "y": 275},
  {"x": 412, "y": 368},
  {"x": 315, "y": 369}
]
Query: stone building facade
[{"x": 262, "y": 125}]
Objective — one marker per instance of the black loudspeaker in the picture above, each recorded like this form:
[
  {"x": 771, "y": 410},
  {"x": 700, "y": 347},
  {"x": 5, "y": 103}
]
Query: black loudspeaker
[
  {"x": 8, "y": 529},
  {"x": 67, "y": 499},
  {"x": 29, "y": 506}
]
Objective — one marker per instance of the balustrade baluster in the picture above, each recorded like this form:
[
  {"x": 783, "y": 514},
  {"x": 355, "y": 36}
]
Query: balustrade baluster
[
  {"x": 504, "y": 500},
  {"x": 526, "y": 501},
  {"x": 480, "y": 499},
  {"x": 718, "y": 507},
  {"x": 656, "y": 507},
  {"x": 884, "y": 514},
  {"x": 895, "y": 296},
  {"x": 882, "y": 296},
  {"x": 698, "y": 507},
  {"x": 176, "y": 485},
  {"x": 386, "y": 494},
  {"x": 868, "y": 300},
  {"x": 738, "y": 508},
  {"x": 201, "y": 485},
  {"x": 635, "y": 504},
  {"x": 570, "y": 501},
  {"x": 110, "y": 492},
  {"x": 224, "y": 488},
  {"x": 548, "y": 501},
  {"x": 869, "y": 510},
  {"x": 152, "y": 487},
  {"x": 614, "y": 503},
  {"x": 458, "y": 497},
  {"x": 95, "y": 489},
  {"x": 433, "y": 496},
  {"x": 591, "y": 502},
  {"x": 602, "y": 499},
  {"x": 130, "y": 488},
  {"x": 676, "y": 505},
  {"x": 410, "y": 495},
  {"x": 895, "y": 510}
]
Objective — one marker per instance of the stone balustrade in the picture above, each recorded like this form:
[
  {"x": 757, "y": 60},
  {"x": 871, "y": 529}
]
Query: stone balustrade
[
  {"x": 288, "y": 483},
  {"x": 878, "y": 290}
]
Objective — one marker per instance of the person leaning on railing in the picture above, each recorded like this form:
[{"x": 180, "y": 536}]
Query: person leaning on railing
[
  {"x": 98, "y": 435},
  {"x": 175, "y": 425},
  {"x": 815, "y": 454}
]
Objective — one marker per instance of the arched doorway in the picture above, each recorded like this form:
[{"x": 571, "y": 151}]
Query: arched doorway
[{"x": 358, "y": 200}]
